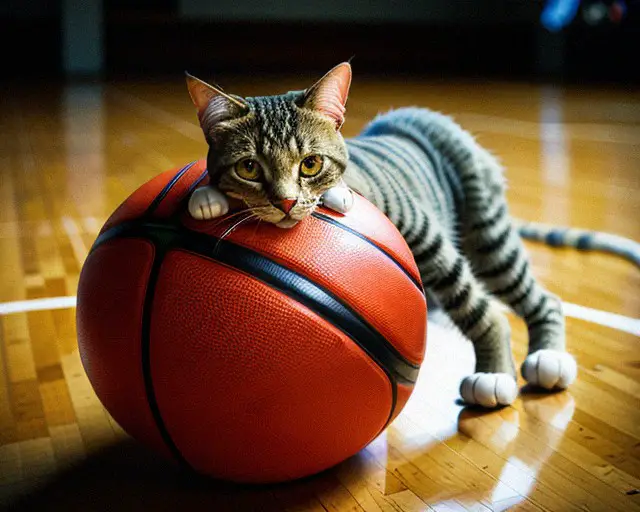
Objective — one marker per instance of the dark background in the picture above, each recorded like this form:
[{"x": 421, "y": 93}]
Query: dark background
[{"x": 52, "y": 40}]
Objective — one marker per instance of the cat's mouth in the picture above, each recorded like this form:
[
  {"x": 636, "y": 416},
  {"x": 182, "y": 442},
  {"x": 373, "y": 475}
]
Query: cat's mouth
[
  {"x": 297, "y": 215},
  {"x": 287, "y": 223},
  {"x": 268, "y": 212},
  {"x": 277, "y": 217},
  {"x": 290, "y": 219}
]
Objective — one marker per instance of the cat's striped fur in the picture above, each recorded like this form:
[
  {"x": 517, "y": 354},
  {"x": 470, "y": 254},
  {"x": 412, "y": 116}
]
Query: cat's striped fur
[
  {"x": 442, "y": 190},
  {"x": 446, "y": 195}
]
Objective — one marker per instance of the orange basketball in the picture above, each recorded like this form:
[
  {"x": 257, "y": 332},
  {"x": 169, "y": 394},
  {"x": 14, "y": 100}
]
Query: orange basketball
[{"x": 264, "y": 356}]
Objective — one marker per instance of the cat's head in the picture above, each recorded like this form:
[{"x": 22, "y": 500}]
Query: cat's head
[{"x": 278, "y": 154}]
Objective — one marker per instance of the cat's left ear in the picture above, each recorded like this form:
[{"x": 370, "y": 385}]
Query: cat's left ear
[
  {"x": 202, "y": 94},
  {"x": 328, "y": 95}
]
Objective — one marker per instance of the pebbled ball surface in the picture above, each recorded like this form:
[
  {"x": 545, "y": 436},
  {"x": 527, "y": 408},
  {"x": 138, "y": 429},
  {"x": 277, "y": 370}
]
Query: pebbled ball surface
[
  {"x": 277, "y": 384},
  {"x": 205, "y": 363}
]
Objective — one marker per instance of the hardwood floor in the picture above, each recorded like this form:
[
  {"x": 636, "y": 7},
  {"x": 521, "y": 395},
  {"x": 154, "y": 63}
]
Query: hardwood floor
[{"x": 69, "y": 156}]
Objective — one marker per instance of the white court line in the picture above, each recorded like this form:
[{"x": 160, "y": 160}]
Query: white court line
[
  {"x": 21, "y": 306},
  {"x": 613, "y": 320},
  {"x": 597, "y": 316}
]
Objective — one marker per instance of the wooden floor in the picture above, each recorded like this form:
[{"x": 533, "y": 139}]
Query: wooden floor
[{"x": 69, "y": 155}]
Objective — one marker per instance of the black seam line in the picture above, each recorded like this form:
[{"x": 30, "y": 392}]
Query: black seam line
[
  {"x": 187, "y": 195},
  {"x": 163, "y": 193},
  {"x": 326, "y": 218},
  {"x": 160, "y": 252},
  {"x": 394, "y": 400},
  {"x": 296, "y": 286},
  {"x": 195, "y": 184}
]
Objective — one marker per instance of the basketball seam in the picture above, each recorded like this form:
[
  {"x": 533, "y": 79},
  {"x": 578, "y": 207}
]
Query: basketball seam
[
  {"x": 192, "y": 187},
  {"x": 145, "y": 355},
  {"x": 288, "y": 293},
  {"x": 215, "y": 248},
  {"x": 334, "y": 222},
  {"x": 169, "y": 237},
  {"x": 166, "y": 189}
]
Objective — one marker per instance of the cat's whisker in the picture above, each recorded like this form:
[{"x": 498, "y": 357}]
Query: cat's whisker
[
  {"x": 237, "y": 224},
  {"x": 234, "y": 215},
  {"x": 255, "y": 230},
  {"x": 232, "y": 228}
]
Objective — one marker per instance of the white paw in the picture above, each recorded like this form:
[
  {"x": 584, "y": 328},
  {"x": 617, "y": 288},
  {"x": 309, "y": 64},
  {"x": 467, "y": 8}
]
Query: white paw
[
  {"x": 207, "y": 203},
  {"x": 550, "y": 369},
  {"x": 489, "y": 389},
  {"x": 339, "y": 199}
]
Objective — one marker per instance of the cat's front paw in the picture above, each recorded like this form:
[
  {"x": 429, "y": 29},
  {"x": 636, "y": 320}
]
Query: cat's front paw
[
  {"x": 207, "y": 203},
  {"x": 489, "y": 389},
  {"x": 550, "y": 369},
  {"x": 339, "y": 199}
]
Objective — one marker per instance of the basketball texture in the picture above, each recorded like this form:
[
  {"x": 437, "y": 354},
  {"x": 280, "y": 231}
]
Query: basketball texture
[{"x": 259, "y": 356}]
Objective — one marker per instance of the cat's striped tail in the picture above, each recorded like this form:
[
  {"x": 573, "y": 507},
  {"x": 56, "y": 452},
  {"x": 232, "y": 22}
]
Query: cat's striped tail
[{"x": 580, "y": 239}]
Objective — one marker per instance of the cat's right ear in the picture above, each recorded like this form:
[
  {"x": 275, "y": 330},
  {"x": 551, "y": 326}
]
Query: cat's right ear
[
  {"x": 223, "y": 106},
  {"x": 328, "y": 96}
]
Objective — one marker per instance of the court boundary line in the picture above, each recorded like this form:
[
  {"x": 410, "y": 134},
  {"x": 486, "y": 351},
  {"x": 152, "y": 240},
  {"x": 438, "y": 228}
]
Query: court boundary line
[{"x": 596, "y": 316}]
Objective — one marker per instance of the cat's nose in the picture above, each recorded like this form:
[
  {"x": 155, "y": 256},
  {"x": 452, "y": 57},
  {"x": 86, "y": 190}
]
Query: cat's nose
[{"x": 286, "y": 205}]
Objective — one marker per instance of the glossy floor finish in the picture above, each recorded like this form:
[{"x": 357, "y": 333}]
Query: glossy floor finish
[{"x": 68, "y": 156}]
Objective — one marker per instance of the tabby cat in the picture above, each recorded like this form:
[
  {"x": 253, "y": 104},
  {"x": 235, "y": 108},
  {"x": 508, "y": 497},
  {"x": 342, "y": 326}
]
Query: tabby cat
[{"x": 284, "y": 155}]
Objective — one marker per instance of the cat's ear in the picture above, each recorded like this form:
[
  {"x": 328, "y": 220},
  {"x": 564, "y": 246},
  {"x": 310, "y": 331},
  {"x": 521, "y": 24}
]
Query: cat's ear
[
  {"x": 224, "y": 106},
  {"x": 329, "y": 94}
]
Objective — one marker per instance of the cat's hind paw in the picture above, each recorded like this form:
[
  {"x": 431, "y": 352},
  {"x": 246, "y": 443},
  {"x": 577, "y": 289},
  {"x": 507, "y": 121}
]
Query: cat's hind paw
[
  {"x": 339, "y": 199},
  {"x": 207, "y": 203},
  {"x": 550, "y": 369},
  {"x": 489, "y": 389}
]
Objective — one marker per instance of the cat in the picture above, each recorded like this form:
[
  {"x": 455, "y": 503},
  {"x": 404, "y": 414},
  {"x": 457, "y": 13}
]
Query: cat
[{"x": 283, "y": 156}]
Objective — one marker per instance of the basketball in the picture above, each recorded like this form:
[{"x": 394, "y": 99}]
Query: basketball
[{"x": 249, "y": 353}]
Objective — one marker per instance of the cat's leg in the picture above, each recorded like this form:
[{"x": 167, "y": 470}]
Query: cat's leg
[
  {"x": 447, "y": 274},
  {"x": 499, "y": 260},
  {"x": 208, "y": 203}
]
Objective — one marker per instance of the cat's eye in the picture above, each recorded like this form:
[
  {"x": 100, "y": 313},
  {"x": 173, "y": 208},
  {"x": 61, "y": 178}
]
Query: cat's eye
[
  {"x": 248, "y": 169},
  {"x": 311, "y": 166}
]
